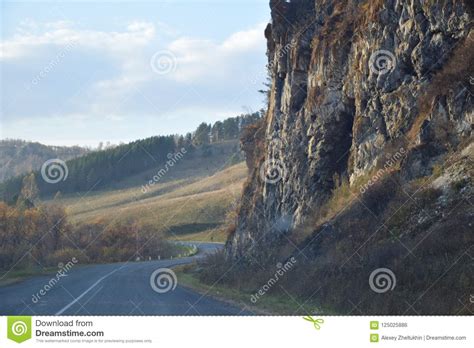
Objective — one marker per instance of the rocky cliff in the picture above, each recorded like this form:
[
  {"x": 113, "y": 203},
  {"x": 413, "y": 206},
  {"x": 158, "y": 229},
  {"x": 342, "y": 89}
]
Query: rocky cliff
[
  {"x": 351, "y": 82},
  {"x": 369, "y": 100}
]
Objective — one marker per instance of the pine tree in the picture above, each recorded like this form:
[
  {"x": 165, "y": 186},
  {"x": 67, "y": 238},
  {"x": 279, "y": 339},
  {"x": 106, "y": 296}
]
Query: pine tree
[{"x": 201, "y": 136}]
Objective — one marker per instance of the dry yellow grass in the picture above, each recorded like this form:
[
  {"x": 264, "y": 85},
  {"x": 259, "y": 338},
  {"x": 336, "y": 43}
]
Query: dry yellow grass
[{"x": 181, "y": 209}]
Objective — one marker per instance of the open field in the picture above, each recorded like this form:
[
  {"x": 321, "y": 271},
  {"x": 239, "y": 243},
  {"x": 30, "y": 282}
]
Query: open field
[{"x": 189, "y": 203}]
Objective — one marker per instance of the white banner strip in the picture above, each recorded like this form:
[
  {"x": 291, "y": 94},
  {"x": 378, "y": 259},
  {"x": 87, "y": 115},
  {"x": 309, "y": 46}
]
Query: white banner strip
[{"x": 238, "y": 332}]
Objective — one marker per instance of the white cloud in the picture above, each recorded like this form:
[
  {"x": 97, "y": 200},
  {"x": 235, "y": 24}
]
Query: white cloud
[
  {"x": 129, "y": 89},
  {"x": 245, "y": 40},
  {"x": 33, "y": 36},
  {"x": 204, "y": 59}
]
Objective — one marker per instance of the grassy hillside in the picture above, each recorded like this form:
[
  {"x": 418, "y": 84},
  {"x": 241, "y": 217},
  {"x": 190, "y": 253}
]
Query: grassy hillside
[
  {"x": 133, "y": 219},
  {"x": 108, "y": 168},
  {"x": 190, "y": 202}
]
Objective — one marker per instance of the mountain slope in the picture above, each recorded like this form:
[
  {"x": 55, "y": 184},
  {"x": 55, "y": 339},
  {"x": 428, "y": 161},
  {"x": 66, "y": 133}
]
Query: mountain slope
[
  {"x": 115, "y": 165},
  {"x": 19, "y": 157},
  {"x": 371, "y": 102},
  {"x": 189, "y": 208}
]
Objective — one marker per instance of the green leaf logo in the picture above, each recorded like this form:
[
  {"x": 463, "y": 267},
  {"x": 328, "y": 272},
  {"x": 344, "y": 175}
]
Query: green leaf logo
[{"x": 19, "y": 329}]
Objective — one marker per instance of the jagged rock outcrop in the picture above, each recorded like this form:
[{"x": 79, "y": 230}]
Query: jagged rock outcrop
[{"x": 352, "y": 83}]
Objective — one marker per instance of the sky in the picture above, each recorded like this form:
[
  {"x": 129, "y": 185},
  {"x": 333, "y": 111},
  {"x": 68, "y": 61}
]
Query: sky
[{"x": 82, "y": 72}]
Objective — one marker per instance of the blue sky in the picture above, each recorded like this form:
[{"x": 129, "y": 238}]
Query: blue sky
[{"x": 88, "y": 71}]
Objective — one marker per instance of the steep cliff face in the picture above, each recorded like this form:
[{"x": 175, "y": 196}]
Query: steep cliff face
[{"x": 354, "y": 83}]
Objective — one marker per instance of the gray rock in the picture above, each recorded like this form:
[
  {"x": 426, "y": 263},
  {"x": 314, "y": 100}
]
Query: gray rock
[{"x": 348, "y": 86}]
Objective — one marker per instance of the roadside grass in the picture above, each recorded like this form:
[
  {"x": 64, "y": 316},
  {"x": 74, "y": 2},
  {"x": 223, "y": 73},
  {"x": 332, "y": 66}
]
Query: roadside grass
[
  {"x": 268, "y": 304},
  {"x": 186, "y": 250},
  {"x": 21, "y": 274},
  {"x": 16, "y": 276},
  {"x": 218, "y": 234}
]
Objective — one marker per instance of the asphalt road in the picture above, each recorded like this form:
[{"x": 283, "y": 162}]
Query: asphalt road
[{"x": 113, "y": 289}]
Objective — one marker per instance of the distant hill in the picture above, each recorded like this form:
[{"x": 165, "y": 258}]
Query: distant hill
[
  {"x": 115, "y": 166},
  {"x": 95, "y": 170},
  {"x": 19, "y": 157}
]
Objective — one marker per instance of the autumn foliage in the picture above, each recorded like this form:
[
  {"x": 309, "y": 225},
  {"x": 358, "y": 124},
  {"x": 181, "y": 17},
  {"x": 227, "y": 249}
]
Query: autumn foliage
[
  {"x": 41, "y": 236},
  {"x": 30, "y": 235}
]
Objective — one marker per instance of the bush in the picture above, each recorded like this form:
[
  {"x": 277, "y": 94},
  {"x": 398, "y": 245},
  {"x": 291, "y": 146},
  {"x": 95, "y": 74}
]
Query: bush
[
  {"x": 37, "y": 231},
  {"x": 64, "y": 256},
  {"x": 44, "y": 234},
  {"x": 417, "y": 238}
]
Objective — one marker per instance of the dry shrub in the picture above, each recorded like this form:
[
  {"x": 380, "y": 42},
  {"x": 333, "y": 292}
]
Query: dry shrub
[
  {"x": 369, "y": 11},
  {"x": 454, "y": 73},
  {"x": 125, "y": 241},
  {"x": 342, "y": 253},
  {"x": 44, "y": 235},
  {"x": 252, "y": 140},
  {"x": 36, "y": 232},
  {"x": 65, "y": 255}
]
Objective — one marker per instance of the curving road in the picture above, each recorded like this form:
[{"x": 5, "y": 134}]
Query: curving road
[{"x": 112, "y": 289}]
